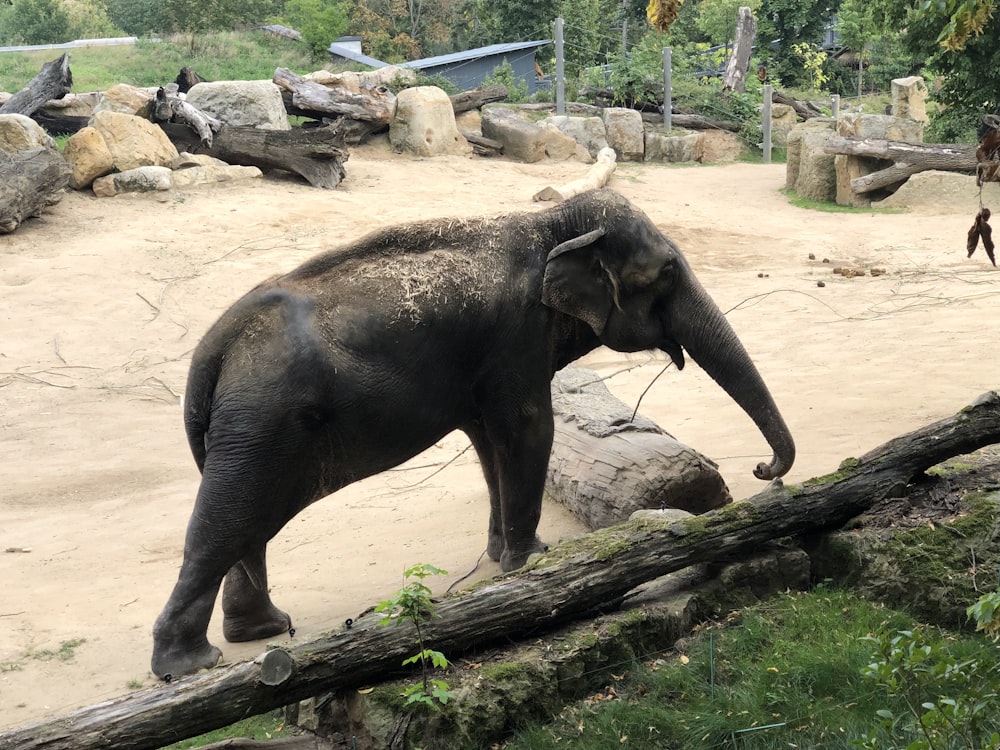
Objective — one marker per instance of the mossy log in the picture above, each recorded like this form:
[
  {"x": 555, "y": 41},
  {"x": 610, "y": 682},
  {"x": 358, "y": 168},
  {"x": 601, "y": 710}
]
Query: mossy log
[
  {"x": 909, "y": 159},
  {"x": 579, "y": 579},
  {"x": 315, "y": 154},
  {"x": 30, "y": 181},
  {"x": 54, "y": 81}
]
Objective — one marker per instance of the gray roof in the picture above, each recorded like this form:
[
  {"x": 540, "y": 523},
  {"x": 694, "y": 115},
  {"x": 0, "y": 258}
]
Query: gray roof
[
  {"x": 474, "y": 54},
  {"x": 349, "y": 54}
]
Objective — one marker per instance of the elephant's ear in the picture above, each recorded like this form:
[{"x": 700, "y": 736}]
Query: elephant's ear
[{"x": 578, "y": 283}]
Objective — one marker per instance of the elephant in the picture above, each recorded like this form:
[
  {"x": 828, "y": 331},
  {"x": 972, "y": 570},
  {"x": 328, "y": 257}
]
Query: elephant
[{"x": 366, "y": 355}]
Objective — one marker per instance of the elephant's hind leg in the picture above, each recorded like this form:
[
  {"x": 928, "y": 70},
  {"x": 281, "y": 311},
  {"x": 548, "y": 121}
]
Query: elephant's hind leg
[{"x": 249, "y": 612}]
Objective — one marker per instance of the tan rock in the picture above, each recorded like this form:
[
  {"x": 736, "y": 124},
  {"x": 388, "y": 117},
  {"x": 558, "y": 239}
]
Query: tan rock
[
  {"x": 909, "y": 98},
  {"x": 133, "y": 141},
  {"x": 21, "y": 133},
  {"x": 718, "y": 146},
  {"x": 625, "y": 132},
  {"x": 139, "y": 180},
  {"x": 185, "y": 160},
  {"x": 203, "y": 175},
  {"x": 424, "y": 124},
  {"x": 127, "y": 100},
  {"x": 88, "y": 156}
]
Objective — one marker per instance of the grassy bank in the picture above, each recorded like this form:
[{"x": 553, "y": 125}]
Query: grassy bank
[{"x": 216, "y": 57}]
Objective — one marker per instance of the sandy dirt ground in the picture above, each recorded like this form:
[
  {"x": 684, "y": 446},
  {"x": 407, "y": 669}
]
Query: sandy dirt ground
[{"x": 102, "y": 302}]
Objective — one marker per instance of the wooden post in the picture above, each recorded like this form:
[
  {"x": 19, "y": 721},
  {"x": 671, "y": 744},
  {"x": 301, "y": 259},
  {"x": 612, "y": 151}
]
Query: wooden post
[
  {"x": 835, "y": 106},
  {"x": 765, "y": 122},
  {"x": 734, "y": 78}
]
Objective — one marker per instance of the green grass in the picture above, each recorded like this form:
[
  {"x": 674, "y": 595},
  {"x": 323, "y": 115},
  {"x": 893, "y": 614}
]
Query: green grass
[
  {"x": 785, "y": 674},
  {"x": 216, "y": 57},
  {"x": 799, "y": 202},
  {"x": 65, "y": 652},
  {"x": 265, "y": 727}
]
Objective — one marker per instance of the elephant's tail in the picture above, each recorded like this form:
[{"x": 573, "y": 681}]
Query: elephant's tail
[{"x": 208, "y": 359}]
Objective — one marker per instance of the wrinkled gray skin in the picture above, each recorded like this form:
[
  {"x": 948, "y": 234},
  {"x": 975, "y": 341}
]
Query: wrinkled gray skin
[{"x": 367, "y": 355}]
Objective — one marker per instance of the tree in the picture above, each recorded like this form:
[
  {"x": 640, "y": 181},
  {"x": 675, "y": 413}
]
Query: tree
[
  {"x": 784, "y": 24},
  {"x": 319, "y": 22},
  {"x": 88, "y": 19},
  {"x": 137, "y": 17},
  {"x": 523, "y": 20},
  {"x": 36, "y": 22},
  {"x": 716, "y": 19}
]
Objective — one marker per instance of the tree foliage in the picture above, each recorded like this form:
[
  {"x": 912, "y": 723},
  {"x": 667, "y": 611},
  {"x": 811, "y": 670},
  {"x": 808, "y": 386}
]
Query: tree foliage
[
  {"x": 319, "y": 22},
  {"x": 35, "y": 22}
]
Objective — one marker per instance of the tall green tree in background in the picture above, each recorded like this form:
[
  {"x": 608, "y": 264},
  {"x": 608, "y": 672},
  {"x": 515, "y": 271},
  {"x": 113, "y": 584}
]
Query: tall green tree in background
[
  {"x": 319, "y": 22},
  {"x": 716, "y": 19},
  {"x": 784, "y": 24},
  {"x": 35, "y": 22},
  {"x": 137, "y": 17}
]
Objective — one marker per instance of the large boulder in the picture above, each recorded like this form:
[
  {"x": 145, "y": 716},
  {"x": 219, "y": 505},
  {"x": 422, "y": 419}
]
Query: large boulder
[
  {"x": 424, "y": 124},
  {"x": 625, "y": 132},
  {"x": 716, "y": 146},
  {"x": 138, "y": 180},
  {"x": 665, "y": 147},
  {"x": 909, "y": 98},
  {"x": 783, "y": 119},
  {"x": 21, "y": 133},
  {"x": 216, "y": 173},
  {"x": 522, "y": 140},
  {"x": 809, "y": 170},
  {"x": 858, "y": 125},
  {"x": 73, "y": 105},
  {"x": 560, "y": 146},
  {"x": 133, "y": 141},
  {"x": 587, "y": 131},
  {"x": 89, "y": 157},
  {"x": 255, "y": 104},
  {"x": 127, "y": 100}
]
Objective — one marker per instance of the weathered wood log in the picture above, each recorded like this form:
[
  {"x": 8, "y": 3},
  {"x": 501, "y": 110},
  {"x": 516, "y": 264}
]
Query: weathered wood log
[
  {"x": 54, "y": 81},
  {"x": 305, "y": 742},
  {"x": 483, "y": 146},
  {"x": 693, "y": 122},
  {"x": 476, "y": 98},
  {"x": 374, "y": 103},
  {"x": 909, "y": 159},
  {"x": 188, "y": 78},
  {"x": 60, "y": 124},
  {"x": 586, "y": 576},
  {"x": 803, "y": 109},
  {"x": 734, "y": 77},
  {"x": 597, "y": 176},
  {"x": 30, "y": 181},
  {"x": 608, "y": 462},
  {"x": 171, "y": 108},
  {"x": 316, "y": 154}
]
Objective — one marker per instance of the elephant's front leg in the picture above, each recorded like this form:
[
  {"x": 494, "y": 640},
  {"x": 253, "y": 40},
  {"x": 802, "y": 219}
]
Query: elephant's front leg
[{"x": 246, "y": 604}]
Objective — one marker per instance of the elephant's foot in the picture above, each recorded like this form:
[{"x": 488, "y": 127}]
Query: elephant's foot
[
  {"x": 514, "y": 559},
  {"x": 174, "y": 661},
  {"x": 255, "y": 624}
]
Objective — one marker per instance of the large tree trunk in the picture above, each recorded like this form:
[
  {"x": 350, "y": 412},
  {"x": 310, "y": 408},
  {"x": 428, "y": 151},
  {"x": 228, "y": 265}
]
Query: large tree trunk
[
  {"x": 909, "y": 159},
  {"x": 592, "y": 574},
  {"x": 375, "y": 104},
  {"x": 608, "y": 462},
  {"x": 734, "y": 78},
  {"x": 30, "y": 181},
  {"x": 316, "y": 154},
  {"x": 53, "y": 82}
]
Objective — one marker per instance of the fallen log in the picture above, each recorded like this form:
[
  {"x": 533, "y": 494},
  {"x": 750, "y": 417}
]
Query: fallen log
[
  {"x": 483, "y": 146},
  {"x": 187, "y": 79},
  {"x": 608, "y": 462},
  {"x": 315, "y": 154},
  {"x": 803, "y": 109},
  {"x": 579, "y": 579},
  {"x": 909, "y": 159},
  {"x": 597, "y": 176},
  {"x": 373, "y": 103},
  {"x": 171, "y": 108},
  {"x": 54, "y": 81},
  {"x": 476, "y": 98},
  {"x": 734, "y": 77},
  {"x": 30, "y": 182}
]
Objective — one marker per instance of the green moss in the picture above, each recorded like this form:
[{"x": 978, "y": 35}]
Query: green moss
[{"x": 846, "y": 468}]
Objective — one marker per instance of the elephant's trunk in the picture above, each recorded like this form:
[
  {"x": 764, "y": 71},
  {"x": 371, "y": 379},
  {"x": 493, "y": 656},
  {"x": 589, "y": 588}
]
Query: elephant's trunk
[{"x": 702, "y": 329}]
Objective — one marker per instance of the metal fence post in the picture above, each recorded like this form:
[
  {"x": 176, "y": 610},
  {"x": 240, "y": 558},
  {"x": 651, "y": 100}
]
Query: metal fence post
[
  {"x": 668, "y": 103},
  {"x": 765, "y": 121},
  {"x": 560, "y": 70}
]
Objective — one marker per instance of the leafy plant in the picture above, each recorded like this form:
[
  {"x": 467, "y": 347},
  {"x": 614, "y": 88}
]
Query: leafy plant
[
  {"x": 413, "y": 604},
  {"x": 950, "y": 700},
  {"x": 503, "y": 75}
]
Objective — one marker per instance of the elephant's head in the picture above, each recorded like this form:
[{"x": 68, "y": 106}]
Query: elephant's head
[{"x": 619, "y": 274}]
